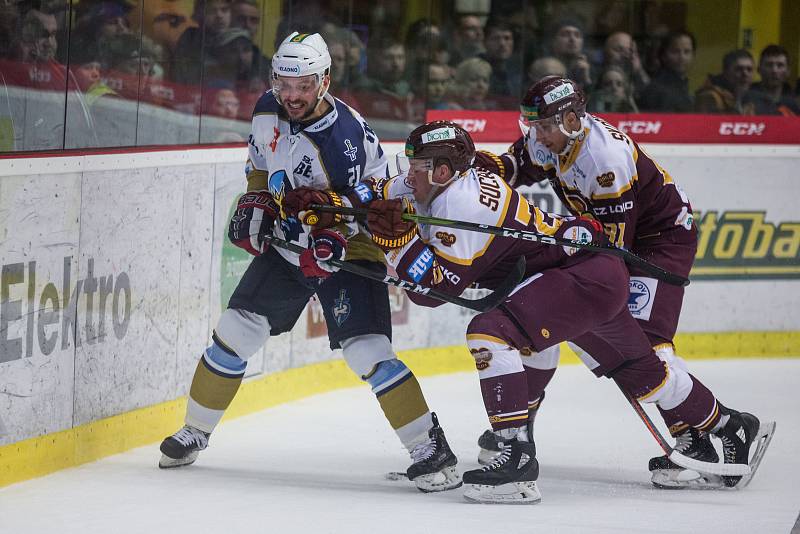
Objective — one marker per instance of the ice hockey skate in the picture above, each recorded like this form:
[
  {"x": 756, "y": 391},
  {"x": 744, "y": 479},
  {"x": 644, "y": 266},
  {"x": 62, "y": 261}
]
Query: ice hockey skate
[
  {"x": 692, "y": 443},
  {"x": 182, "y": 447},
  {"x": 434, "y": 467},
  {"x": 740, "y": 433},
  {"x": 509, "y": 479},
  {"x": 490, "y": 444}
]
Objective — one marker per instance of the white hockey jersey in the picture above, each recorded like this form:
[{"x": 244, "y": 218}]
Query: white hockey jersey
[{"x": 335, "y": 152}]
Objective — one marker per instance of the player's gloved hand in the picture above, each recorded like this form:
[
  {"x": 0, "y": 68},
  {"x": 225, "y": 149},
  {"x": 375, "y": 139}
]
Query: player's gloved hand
[
  {"x": 501, "y": 165},
  {"x": 323, "y": 245},
  {"x": 583, "y": 230},
  {"x": 297, "y": 203},
  {"x": 252, "y": 221},
  {"x": 386, "y": 224}
]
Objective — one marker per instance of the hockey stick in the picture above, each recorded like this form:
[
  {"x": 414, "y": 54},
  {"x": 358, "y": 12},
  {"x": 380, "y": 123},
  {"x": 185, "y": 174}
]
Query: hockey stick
[
  {"x": 484, "y": 304},
  {"x": 628, "y": 257},
  {"x": 677, "y": 457}
]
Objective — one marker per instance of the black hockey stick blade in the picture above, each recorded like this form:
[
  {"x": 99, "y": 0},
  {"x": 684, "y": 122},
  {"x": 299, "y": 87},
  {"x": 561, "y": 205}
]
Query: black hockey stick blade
[
  {"x": 502, "y": 231},
  {"x": 490, "y": 301}
]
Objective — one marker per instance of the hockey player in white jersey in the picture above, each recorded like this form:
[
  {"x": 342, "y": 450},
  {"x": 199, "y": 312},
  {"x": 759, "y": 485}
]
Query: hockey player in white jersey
[
  {"x": 599, "y": 172},
  {"x": 306, "y": 147}
]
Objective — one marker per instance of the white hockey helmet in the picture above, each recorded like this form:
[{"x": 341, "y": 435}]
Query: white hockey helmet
[{"x": 301, "y": 54}]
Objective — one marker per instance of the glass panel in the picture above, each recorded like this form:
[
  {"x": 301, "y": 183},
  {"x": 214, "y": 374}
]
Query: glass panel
[{"x": 33, "y": 97}]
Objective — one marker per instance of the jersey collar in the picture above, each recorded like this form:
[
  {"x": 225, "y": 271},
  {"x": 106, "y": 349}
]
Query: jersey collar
[{"x": 320, "y": 124}]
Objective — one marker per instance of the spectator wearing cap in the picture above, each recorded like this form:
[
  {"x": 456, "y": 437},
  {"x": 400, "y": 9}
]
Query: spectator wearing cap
[
  {"x": 669, "y": 88},
  {"x": 231, "y": 58},
  {"x": 730, "y": 92},
  {"x": 506, "y": 77},
  {"x": 566, "y": 44},
  {"x": 773, "y": 67}
]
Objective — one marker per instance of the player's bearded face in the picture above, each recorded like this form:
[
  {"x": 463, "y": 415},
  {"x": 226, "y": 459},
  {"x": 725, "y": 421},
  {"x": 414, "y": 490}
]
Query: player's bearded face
[{"x": 298, "y": 96}]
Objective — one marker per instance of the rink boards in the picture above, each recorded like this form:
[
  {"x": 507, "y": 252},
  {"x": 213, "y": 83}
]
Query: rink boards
[{"x": 115, "y": 268}]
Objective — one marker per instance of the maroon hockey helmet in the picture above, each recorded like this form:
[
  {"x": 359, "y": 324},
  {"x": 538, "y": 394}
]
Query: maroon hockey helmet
[
  {"x": 442, "y": 142},
  {"x": 552, "y": 96}
]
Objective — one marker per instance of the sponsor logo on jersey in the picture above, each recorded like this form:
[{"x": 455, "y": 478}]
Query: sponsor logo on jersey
[
  {"x": 482, "y": 357},
  {"x": 439, "y": 134},
  {"x": 421, "y": 265},
  {"x": 606, "y": 179},
  {"x": 745, "y": 245},
  {"x": 364, "y": 192},
  {"x": 447, "y": 239},
  {"x": 562, "y": 91},
  {"x": 341, "y": 308}
]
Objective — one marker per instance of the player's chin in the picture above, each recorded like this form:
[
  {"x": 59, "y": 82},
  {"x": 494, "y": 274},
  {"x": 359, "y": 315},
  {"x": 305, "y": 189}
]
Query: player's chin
[{"x": 296, "y": 110}]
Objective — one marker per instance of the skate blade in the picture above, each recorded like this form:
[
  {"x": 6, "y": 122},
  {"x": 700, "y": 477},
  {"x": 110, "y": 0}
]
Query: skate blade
[
  {"x": 485, "y": 456},
  {"x": 446, "y": 479},
  {"x": 762, "y": 441},
  {"x": 511, "y": 493},
  {"x": 168, "y": 463},
  {"x": 684, "y": 479}
]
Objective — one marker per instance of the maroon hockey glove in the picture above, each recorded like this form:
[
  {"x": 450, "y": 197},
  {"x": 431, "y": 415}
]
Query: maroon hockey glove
[
  {"x": 297, "y": 203},
  {"x": 323, "y": 245},
  {"x": 385, "y": 221},
  {"x": 582, "y": 230},
  {"x": 252, "y": 221}
]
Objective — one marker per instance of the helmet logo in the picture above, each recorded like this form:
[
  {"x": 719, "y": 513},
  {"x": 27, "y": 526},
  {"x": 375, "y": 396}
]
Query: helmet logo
[
  {"x": 439, "y": 134},
  {"x": 409, "y": 150},
  {"x": 295, "y": 69},
  {"x": 562, "y": 91},
  {"x": 299, "y": 38}
]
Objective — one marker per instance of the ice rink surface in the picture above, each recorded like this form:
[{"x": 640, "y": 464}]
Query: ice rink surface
[{"x": 318, "y": 465}]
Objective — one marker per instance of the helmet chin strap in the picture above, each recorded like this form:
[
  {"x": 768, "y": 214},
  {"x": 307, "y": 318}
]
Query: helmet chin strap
[{"x": 572, "y": 137}]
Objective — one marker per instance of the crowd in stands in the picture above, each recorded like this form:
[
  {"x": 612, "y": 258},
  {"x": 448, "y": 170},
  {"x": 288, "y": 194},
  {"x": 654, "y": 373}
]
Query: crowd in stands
[{"x": 203, "y": 57}]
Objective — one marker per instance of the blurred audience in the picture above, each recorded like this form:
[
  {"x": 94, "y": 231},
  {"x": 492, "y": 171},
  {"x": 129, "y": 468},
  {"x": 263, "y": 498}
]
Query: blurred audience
[
  {"x": 386, "y": 72},
  {"x": 773, "y": 67},
  {"x": 470, "y": 88},
  {"x": 544, "y": 66},
  {"x": 467, "y": 38},
  {"x": 506, "y": 75},
  {"x": 669, "y": 89},
  {"x": 730, "y": 91},
  {"x": 37, "y": 38},
  {"x": 213, "y": 17},
  {"x": 620, "y": 51},
  {"x": 247, "y": 15}
]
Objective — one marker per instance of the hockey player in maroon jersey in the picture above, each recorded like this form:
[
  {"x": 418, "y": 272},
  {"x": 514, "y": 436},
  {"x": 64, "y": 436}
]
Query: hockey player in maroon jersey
[
  {"x": 599, "y": 172},
  {"x": 543, "y": 311}
]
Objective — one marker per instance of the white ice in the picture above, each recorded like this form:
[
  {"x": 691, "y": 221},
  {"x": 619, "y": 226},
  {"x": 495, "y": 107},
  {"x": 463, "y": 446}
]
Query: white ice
[{"x": 318, "y": 466}]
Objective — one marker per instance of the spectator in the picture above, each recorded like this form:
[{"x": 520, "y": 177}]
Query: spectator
[
  {"x": 87, "y": 71},
  {"x": 424, "y": 46},
  {"x": 730, "y": 91},
  {"x": 9, "y": 24},
  {"x": 130, "y": 64},
  {"x": 545, "y": 66},
  {"x": 247, "y": 15},
  {"x": 620, "y": 50},
  {"x": 614, "y": 93},
  {"x": 566, "y": 44},
  {"x": 438, "y": 87},
  {"x": 669, "y": 89},
  {"x": 387, "y": 70},
  {"x": 213, "y": 17},
  {"x": 103, "y": 20},
  {"x": 224, "y": 103},
  {"x": 506, "y": 78},
  {"x": 467, "y": 38},
  {"x": 471, "y": 85},
  {"x": 231, "y": 59},
  {"x": 38, "y": 43},
  {"x": 773, "y": 66}
]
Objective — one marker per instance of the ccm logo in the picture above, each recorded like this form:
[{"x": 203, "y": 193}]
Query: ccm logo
[
  {"x": 640, "y": 127},
  {"x": 472, "y": 125},
  {"x": 741, "y": 128}
]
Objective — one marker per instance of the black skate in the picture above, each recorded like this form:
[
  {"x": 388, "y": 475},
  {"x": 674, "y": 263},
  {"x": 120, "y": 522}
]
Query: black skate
[
  {"x": 509, "y": 479},
  {"x": 740, "y": 432},
  {"x": 182, "y": 447},
  {"x": 491, "y": 444},
  {"x": 692, "y": 443},
  {"x": 434, "y": 467}
]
